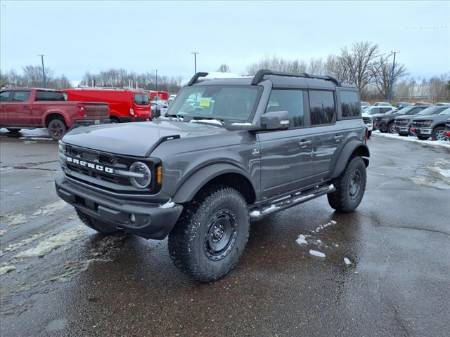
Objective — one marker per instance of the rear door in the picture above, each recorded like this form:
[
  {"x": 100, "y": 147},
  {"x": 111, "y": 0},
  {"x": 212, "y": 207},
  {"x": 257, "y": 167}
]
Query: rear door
[
  {"x": 42, "y": 103},
  {"x": 327, "y": 136},
  {"x": 18, "y": 111},
  {"x": 286, "y": 154}
]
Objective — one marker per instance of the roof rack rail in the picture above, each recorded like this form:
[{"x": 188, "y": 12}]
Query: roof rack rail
[
  {"x": 259, "y": 76},
  {"x": 195, "y": 78}
]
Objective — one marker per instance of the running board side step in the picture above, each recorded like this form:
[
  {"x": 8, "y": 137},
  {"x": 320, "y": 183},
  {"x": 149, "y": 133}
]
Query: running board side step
[{"x": 289, "y": 201}]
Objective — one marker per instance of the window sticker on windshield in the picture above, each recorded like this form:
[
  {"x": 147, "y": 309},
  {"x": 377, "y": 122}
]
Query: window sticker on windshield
[{"x": 205, "y": 102}]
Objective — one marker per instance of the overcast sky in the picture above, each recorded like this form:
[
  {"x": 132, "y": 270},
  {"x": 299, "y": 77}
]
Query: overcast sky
[{"x": 140, "y": 36}]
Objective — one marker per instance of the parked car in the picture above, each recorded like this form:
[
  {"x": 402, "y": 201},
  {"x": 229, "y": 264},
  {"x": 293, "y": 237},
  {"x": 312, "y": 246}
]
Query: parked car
[
  {"x": 229, "y": 151},
  {"x": 159, "y": 107},
  {"x": 403, "y": 123},
  {"x": 385, "y": 123},
  {"x": 378, "y": 111},
  {"x": 31, "y": 108},
  {"x": 125, "y": 105},
  {"x": 432, "y": 126},
  {"x": 163, "y": 95},
  {"x": 382, "y": 104}
]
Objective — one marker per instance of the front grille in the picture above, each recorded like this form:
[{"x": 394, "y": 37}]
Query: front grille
[
  {"x": 100, "y": 158},
  {"x": 401, "y": 122},
  {"x": 419, "y": 124}
]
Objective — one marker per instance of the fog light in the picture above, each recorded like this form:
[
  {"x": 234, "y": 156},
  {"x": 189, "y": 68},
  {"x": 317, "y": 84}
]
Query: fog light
[{"x": 132, "y": 218}]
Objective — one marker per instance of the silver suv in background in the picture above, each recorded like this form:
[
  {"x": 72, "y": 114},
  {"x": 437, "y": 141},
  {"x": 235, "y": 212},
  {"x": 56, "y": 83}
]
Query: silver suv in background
[
  {"x": 403, "y": 123},
  {"x": 432, "y": 126}
]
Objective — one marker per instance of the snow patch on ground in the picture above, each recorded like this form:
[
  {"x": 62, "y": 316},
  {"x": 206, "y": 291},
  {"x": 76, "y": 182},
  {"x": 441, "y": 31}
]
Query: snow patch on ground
[
  {"x": 301, "y": 240},
  {"x": 50, "y": 208},
  {"x": 14, "y": 246},
  {"x": 322, "y": 227},
  {"x": 414, "y": 139},
  {"x": 316, "y": 253},
  {"x": 14, "y": 219},
  {"x": 54, "y": 242},
  {"x": 6, "y": 269}
]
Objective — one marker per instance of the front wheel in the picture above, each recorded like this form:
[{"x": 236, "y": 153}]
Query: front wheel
[
  {"x": 391, "y": 128},
  {"x": 438, "y": 133},
  {"x": 422, "y": 137},
  {"x": 14, "y": 131},
  {"x": 350, "y": 187},
  {"x": 211, "y": 234}
]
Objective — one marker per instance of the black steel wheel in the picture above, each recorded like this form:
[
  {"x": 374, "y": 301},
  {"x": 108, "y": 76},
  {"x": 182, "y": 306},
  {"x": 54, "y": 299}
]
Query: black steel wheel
[
  {"x": 350, "y": 187},
  {"x": 211, "y": 234}
]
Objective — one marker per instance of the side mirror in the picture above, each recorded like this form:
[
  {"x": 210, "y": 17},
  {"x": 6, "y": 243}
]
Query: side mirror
[{"x": 275, "y": 120}]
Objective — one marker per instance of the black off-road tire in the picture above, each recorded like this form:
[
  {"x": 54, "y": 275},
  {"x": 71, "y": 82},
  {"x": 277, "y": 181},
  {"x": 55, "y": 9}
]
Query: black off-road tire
[
  {"x": 56, "y": 128},
  {"x": 96, "y": 225},
  {"x": 191, "y": 242},
  {"x": 346, "y": 199},
  {"x": 436, "y": 131},
  {"x": 14, "y": 131},
  {"x": 422, "y": 137},
  {"x": 369, "y": 134}
]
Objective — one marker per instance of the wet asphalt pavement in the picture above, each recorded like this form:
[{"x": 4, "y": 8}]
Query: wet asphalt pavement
[{"x": 59, "y": 278}]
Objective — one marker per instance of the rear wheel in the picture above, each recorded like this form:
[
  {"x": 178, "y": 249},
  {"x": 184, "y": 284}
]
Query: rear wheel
[
  {"x": 422, "y": 137},
  {"x": 114, "y": 119},
  {"x": 211, "y": 234},
  {"x": 56, "y": 128},
  {"x": 350, "y": 187},
  {"x": 13, "y": 130},
  {"x": 96, "y": 225},
  {"x": 438, "y": 133}
]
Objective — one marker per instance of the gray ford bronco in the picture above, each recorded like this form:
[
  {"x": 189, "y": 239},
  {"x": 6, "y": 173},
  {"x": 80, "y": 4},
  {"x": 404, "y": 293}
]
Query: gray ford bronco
[{"x": 228, "y": 152}]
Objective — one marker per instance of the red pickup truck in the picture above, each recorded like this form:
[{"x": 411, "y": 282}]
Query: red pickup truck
[{"x": 45, "y": 108}]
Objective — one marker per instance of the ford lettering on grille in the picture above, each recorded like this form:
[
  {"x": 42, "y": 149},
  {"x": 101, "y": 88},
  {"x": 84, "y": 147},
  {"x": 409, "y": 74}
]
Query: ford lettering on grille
[{"x": 94, "y": 166}]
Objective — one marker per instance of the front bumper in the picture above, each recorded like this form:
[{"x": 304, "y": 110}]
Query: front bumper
[
  {"x": 151, "y": 221},
  {"x": 423, "y": 131}
]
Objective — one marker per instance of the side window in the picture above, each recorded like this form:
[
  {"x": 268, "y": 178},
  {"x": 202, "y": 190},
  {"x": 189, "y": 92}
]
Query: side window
[
  {"x": 290, "y": 101},
  {"x": 5, "y": 96},
  {"x": 20, "y": 96},
  {"x": 43, "y": 95},
  {"x": 350, "y": 104},
  {"x": 322, "y": 107}
]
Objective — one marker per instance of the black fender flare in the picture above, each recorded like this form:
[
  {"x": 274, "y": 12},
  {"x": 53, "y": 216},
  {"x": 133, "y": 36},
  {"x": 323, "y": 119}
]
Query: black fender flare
[
  {"x": 189, "y": 188},
  {"x": 346, "y": 153}
]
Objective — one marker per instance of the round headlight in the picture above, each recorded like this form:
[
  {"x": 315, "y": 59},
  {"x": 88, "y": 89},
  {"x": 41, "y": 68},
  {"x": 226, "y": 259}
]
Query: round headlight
[{"x": 145, "y": 175}]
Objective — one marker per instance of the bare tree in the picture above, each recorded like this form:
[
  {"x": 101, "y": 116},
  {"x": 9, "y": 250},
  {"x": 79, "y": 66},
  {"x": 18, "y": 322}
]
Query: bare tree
[
  {"x": 385, "y": 74},
  {"x": 358, "y": 61},
  {"x": 224, "y": 68}
]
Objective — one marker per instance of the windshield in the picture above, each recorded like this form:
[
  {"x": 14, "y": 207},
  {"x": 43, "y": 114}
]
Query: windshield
[
  {"x": 215, "y": 101},
  {"x": 141, "y": 99},
  {"x": 406, "y": 110},
  {"x": 378, "y": 110},
  {"x": 445, "y": 112},
  {"x": 432, "y": 110}
]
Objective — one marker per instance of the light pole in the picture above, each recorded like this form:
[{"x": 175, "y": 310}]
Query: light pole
[
  {"x": 43, "y": 71},
  {"x": 391, "y": 84},
  {"x": 156, "y": 79},
  {"x": 195, "y": 53}
]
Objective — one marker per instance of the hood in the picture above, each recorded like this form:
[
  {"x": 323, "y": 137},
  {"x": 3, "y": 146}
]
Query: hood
[
  {"x": 432, "y": 118},
  {"x": 408, "y": 117},
  {"x": 136, "y": 139}
]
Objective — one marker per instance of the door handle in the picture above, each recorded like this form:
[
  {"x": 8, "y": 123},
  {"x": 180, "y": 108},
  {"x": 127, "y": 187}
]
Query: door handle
[{"x": 304, "y": 143}]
